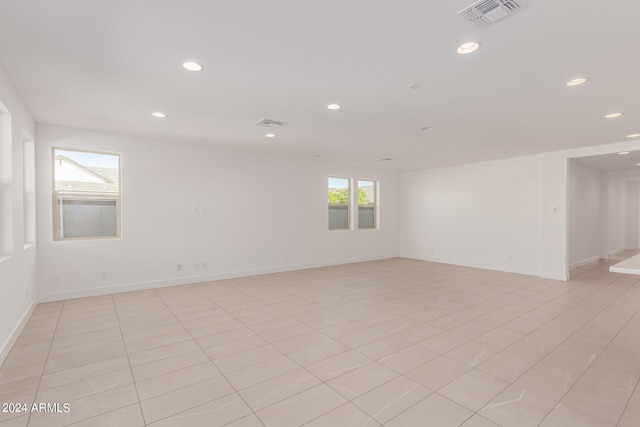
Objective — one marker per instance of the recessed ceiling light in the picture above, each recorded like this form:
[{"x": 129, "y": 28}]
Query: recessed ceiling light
[
  {"x": 633, "y": 135},
  {"x": 334, "y": 106},
  {"x": 386, "y": 159},
  {"x": 270, "y": 135},
  {"x": 578, "y": 81},
  {"x": 159, "y": 115},
  {"x": 192, "y": 66},
  {"x": 469, "y": 47},
  {"x": 613, "y": 115},
  {"x": 427, "y": 128},
  {"x": 414, "y": 86},
  {"x": 623, "y": 152}
]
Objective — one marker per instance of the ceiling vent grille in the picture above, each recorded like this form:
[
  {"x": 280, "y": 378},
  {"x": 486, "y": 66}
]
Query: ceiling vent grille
[
  {"x": 487, "y": 12},
  {"x": 273, "y": 124}
]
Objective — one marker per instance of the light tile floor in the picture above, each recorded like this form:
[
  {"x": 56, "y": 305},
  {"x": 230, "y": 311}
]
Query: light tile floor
[{"x": 397, "y": 342}]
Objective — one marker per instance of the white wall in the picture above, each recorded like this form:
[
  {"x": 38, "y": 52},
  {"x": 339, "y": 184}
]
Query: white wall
[
  {"x": 632, "y": 226},
  {"x": 18, "y": 269},
  {"x": 622, "y": 212},
  {"x": 586, "y": 219},
  {"x": 263, "y": 214},
  {"x": 484, "y": 214}
]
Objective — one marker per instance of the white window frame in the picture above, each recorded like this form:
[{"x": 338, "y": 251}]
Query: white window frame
[
  {"x": 349, "y": 207},
  {"x": 375, "y": 203},
  {"x": 62, "y": 195}
]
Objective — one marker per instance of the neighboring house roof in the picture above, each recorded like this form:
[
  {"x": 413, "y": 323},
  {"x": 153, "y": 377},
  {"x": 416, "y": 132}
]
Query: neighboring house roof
[{"x": 72, "y": 176}]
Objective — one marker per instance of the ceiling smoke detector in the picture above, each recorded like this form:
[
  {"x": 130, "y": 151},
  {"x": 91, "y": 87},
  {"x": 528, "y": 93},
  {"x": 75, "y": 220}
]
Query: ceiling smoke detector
[
  {"x": 487, "y": 12},
  {"x": 274, "y": 124}
]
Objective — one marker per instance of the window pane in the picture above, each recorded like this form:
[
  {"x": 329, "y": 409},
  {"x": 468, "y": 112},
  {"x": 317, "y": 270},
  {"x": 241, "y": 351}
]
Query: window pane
[
  {"x": 88, "y": 172},
  {"x": 6, "y": 184},
  {"x": 366, "y": 204},
  {"x": 86, "y": 194},
  {"x": 87, "y": 217},
  {"x": 29, "y": 194},
  {"x": 338, "y": 203}
]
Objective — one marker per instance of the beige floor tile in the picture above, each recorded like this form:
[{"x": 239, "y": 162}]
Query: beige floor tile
[
  {"x": 9, "y": 392},
  {"x": 26, "y": 400},
  {"x": 301, "y": 408},
  {"x": 163, "y": 352},
  {"x": 35, "y": 338},
  {"x": 517, "y": 406},
  {"x": 299, "y": 342},
  {"x": 262, "y": 371},
  {"x": 408, "y": 358},
  {"x": 522, "y": 326},
  {"x": 361, "y": 337},
  {"x": 86, "y": 387},
  {"x": 343, "y": 328},
  {"x": 478, "y": 421},
  {"x": 631, "y": 415},
  {"x": 472, "y": 353},
  {"x": 279, "y": 388},
  {"x": 236, "y": 346},
  {"x": 563, "y": 415},
  {"x": 177, "y": 379},
  {"x": 21, "y": 373},
  {"x": 87, "y": 407},
  {"x": 170, "y": 364},
  {"x": 248, "y": 421},
  {"x": 84, "y": 354},
  {"x": 392, "y": 398},
  {"x": 318, "y": 352},
  {"x": 438, "y": 372},
  {"x": 16, "y": 422},
  {"x": 362, "y": 380},
  {"x": 273, "y": 324},
  {"x": 419, "y": 332},
  {"x": 575, "y": 340},
  {"x": 500, "y": 338},
  {"x": 474, "y": 389},
  {"x": 383, "y": 347},
  {"x": 129, "y": 416},
  {"x": 435, "y": 410},
  {"x": 186, "y": 398},
  {"x": 154, "y": 338},
  {"x": 247, "y": 358},
  {"x": 346, "y": 415},
  {"x": 507, "y": 366},
  {"x": 443, "y": 342},
  {"x": 337, "y": 365},
  {"x": 212, "y": 414},
  {"x": 286, "y": 332},
  {"x": 596, "y": 398},
  {"x": 224, "y": 337}
]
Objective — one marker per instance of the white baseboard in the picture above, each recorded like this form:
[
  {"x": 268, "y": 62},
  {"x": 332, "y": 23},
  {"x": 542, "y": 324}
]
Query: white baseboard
[
  {"x": 616, "y": 251},
  {"x": 584, "y": 262},
  {"x": 138, "y": 286},
  {"x": 484, "y": 266},
  {"x": 8, "y": 345}
]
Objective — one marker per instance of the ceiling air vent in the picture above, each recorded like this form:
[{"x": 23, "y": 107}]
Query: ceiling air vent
[
  {"x": 274, "y": 124},
  {"x": 487, "y": 12}
]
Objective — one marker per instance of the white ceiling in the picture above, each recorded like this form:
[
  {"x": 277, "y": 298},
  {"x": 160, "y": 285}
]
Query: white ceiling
[
  {"x": 613, "y": 162},
  {"x": 107, "y": 65}
]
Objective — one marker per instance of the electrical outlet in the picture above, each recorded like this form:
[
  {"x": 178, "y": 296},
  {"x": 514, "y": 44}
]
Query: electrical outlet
[
  {"x": 205, "y": 265},
  {"x": 104, "y": 274},
  {"x": 179, "y": 267},
  {"x": 197, "y": 266},
  {"x": 57, "y": 278}
]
